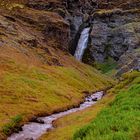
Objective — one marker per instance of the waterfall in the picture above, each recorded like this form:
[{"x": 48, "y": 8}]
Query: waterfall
[{"x": 82, "y": 44}]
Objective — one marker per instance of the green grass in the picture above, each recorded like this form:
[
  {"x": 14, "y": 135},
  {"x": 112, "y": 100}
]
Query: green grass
[
  {"x": 66, "y": 126},
  {"x": 121, "y": 119},
  {"x": 37, "y": 91},
  {"x": 107, "y": 67},
  {"x": 12, "y": 125}
]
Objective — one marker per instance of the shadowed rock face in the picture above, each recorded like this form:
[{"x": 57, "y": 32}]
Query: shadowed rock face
[
  {"x": 129, "y": 61},
  {"x": 112, "y": 36},
  {"x": 27, "y": 33},
  {"x": 115, "y": 26}
]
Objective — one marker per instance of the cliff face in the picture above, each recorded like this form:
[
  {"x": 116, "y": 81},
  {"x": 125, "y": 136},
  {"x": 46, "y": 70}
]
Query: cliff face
[
  {"x": 115, "y": 27},
  {"x": 114, "y": 33},
  {"x": 30, "y": 34}
]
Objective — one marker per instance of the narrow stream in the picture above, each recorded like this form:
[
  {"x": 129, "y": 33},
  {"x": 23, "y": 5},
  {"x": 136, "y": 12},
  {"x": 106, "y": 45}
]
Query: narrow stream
[{"x": 33, "y": 130}]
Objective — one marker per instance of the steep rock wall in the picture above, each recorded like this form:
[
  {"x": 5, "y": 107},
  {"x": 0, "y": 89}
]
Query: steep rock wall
[{"x": 115, "y": 26}]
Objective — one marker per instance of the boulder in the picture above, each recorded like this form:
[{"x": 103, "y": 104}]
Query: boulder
[{"x": 129, "y": 61}]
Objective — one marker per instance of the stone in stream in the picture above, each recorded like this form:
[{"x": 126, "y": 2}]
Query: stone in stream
[
  {"x": 88, "y": 100},
  {"x": 95, "y": 99},
  {"x": 29, "y": 139},
  {"x": 40, "y": 121},
  {"x": 37, "y": 120}
]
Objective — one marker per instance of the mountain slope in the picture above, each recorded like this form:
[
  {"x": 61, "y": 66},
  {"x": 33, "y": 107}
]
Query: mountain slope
[
  {"x": 121, "y": 118},
  {"x": 34, "y": 91},
  {"x": 38, "y": 75}
]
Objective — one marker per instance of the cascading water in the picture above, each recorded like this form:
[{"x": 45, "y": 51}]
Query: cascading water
[{"x": 82, "y": 44}]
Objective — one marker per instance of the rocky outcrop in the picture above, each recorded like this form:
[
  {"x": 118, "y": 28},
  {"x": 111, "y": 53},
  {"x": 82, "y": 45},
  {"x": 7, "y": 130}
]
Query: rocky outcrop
[
  {"x": 114, "y": 33},
  {"x": 115, "y": 26},
  {"x": 129, "y": 61},
  {"x": 33, "y": 34}
]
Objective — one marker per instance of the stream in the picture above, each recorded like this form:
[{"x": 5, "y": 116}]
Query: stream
[{"x": 34, "y": 130}]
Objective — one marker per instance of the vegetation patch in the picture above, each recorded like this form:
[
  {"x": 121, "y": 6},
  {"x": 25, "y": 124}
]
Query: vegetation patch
[
  {"x": 107, "y": 67},
  {"x": 13, "y": 125},
  {"x": 121, "y": 119}
]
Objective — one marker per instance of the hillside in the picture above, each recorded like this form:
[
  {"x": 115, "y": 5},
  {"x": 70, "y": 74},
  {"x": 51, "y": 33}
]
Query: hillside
[
  {"x": 38, "y": 75},
  {"x": 120, "y": 119}
]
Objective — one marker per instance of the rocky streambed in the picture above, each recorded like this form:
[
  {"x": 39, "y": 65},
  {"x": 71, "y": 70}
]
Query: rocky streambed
[{"x": 34, "y": 130}]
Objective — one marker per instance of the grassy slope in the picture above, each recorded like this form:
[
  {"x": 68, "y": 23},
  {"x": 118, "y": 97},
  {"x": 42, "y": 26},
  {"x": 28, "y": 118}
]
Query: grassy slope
[
  {"x": 108, "y": 67},
  {"x": 121, "y": 119},
  {"x": 66, "y": 126},
  {"x": 29, "y": 89},
  {"x": 26, "y": 91}
]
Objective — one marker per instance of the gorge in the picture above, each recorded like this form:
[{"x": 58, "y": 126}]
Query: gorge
[{"x": 54, "y": 55}]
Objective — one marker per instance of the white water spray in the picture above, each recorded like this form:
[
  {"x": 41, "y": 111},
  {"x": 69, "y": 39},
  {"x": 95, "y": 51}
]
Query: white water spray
[{"x": 82, "y": 44}]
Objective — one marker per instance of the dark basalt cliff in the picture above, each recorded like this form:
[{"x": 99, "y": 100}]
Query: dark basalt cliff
[
  {"x": 115, "y": 27},
  {"x": 115, "y": 30}
]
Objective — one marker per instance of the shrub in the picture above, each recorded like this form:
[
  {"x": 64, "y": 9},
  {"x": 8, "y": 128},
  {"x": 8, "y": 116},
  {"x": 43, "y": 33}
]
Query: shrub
[{"x": 13, "y": 125}]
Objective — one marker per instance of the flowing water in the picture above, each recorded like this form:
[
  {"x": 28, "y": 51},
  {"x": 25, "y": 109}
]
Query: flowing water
[
  {"x": 82, "y": 44},
  {"x": 33, "y": 130}
]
